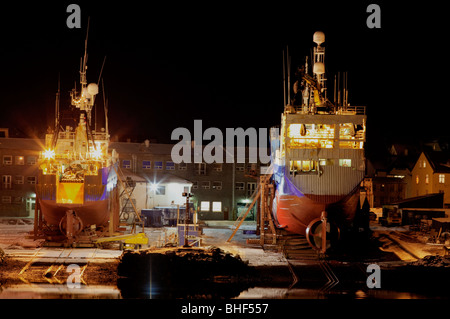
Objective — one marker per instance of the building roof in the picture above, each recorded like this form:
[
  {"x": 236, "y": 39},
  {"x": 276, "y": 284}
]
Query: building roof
[
  {"x": 439, "y": 161},
  {"x": 29, "y": 144},
  {"x": 136, "y": 148}
]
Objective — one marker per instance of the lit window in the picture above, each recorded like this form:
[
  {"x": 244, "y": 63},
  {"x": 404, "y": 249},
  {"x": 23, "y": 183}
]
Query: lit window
[
  {"x": 146, "y": 164},
  {"x": 217, "y": 207},
  {"x": 158, "y": 165},
  {"x": 204, "y": 206},
  {"x": 20, "y": 160},
  {"x": 427, "y": 179},
  {"x": 345, "y": 162},
  {"x": 441, "y": 179},
  {"x": 417, "y": 179},
  {"x": 424, "y": 164},
  {"x": 170, "y": 166},
  {"x": 31, "y": 179},
  {"x": 126, "y": 164}
]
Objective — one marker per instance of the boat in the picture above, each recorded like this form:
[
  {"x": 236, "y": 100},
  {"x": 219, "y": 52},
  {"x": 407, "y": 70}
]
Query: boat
[
  {"x": 76, "y": 189},
  {"x": 317, "y": 156}
]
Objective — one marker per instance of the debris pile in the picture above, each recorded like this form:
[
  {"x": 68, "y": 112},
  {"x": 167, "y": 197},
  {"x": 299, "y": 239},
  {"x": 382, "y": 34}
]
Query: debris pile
[
  {"x": 431, "y": 261},
  {"x": 182, "y": 272}
]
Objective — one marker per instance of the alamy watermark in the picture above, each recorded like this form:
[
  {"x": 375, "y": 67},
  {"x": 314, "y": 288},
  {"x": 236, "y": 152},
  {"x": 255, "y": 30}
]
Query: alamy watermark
[
  {"x": 215, "y": 150},
  {"x": 374, "y": 279}
]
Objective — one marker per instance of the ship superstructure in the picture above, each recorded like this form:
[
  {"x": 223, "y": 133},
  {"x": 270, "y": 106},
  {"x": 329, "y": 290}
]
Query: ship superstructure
[{"x": 318, "y": 154}]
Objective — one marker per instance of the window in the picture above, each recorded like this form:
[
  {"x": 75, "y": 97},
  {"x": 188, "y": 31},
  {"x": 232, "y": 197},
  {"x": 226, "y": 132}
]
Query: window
[
  {"x": 345, "y": 162},
  {"x": 31, "y": 160},
  {"x": 126, "y": 164},
  {"x": 186, "y": 189},
  {"x": 170, "y": 166},
  {"x": 251, "y": 187},
  {"x": 200, "y": 168},
  {"x": 6, "y": 199},
  {"x": 427, "y": 179},
  {"x": 7, "y": 160},
  {"x": 7, "y": 181},
  {"x": 424, "y": 164},
  {"x": 216, "y": 207},
  {"x": 307, "y": 166},
  {"x": 204, "y": 206},
  {"x": 218, "y": 167},
  {"x": 240, "y": 167},
  {"x": 160, "y": 190},
  {"x": 182, "y": 166},
  {"x": 18, "y": 179},
  {"x": 417, "y": 179},
  {"x": 146, "y": 164},
  {"x": 240, "y": 186},
  {"x": 194, "y": 185},
  {"x": 441, "y": 179},
  {"x": 158, "y": 165},
  {"x": 20, "y": 160},
  {"x": 206, "y": 185},
  {"x": 31, "y": 179},
  {"x": 217, "y": 185}
]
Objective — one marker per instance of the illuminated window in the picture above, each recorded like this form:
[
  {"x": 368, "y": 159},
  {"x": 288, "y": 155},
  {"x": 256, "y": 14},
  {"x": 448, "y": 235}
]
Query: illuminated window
[
  {"x": 170, "y": 166},
  {"x": 441, "y": 179},
  {"x": 306, "y": 166},
  {"x": 417, "y": 179},
  {"x": 126, "y": 164},
  {"x": 427, "y": 179},
  {"x": 345, "y": 162},
  {"x": 204, "y": 206},
  {"x": 20, "y": 160},
  {"x": 216, "y": 207},
  {"x": 146, "y": 164}
]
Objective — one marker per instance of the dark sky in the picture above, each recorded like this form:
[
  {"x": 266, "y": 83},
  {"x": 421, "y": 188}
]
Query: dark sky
[{"x": 221, "y": 62}]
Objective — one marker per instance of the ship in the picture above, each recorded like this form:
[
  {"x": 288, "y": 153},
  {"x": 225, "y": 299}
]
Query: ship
[
  {"x": 76, "y": 189},
  {"x": 317, "y": 155}
]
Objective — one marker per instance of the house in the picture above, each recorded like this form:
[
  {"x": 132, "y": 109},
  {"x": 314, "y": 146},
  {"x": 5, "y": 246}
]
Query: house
[{"x": 431, "y": 174}]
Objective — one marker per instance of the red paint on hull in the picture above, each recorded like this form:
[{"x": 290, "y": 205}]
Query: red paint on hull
[{"x": 295, "y": 213}]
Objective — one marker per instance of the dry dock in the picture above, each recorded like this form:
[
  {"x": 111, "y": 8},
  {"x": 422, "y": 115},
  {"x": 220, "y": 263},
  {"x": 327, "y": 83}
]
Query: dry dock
[{"x": 32, "y": 271}]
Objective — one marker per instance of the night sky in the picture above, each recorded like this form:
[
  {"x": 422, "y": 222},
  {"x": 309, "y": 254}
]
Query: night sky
[{"x": 221, "y": 62}]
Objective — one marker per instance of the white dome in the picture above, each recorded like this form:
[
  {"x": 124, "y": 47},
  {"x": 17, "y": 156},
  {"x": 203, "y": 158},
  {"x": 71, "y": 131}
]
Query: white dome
[
  {"x": 92, "y": 89},
  {"x": 319, "y": 37},
  {"x": 319, "y": 68}
]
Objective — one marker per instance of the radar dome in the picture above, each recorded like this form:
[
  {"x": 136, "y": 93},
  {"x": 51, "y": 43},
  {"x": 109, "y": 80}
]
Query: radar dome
[
  {"x": 319, "y": 68},
  {"x": 319, "y": 37},
  {"x": 92, "y": 89}
]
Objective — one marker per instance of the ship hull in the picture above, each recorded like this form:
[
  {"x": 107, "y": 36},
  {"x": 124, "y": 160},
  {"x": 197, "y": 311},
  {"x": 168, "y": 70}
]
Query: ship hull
[
  {"x": 90, "y": 213},
  {"x": 295, "y": 213}
]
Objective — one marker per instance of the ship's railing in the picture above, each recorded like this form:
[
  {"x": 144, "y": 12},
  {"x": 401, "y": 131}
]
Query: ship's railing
[{"x": 351, "y": 110}]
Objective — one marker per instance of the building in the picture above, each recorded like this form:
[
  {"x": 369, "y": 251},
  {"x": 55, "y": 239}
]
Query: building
[
  {"x": 18, "y": 171},
  {"x": 431, "y": 174},
  {"x": 220, "y": 190}
]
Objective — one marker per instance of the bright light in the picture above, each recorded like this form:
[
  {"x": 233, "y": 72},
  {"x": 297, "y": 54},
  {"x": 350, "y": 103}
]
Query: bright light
[
  {"x": 154, "y": 187},
  {"x": 49, "y": 154},
  {"x": 96, "y": 153}
]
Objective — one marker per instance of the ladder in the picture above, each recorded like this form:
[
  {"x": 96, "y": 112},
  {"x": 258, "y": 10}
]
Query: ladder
[{"x": 127, "y": 192}]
